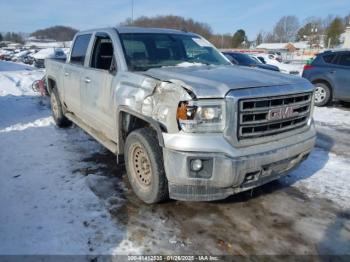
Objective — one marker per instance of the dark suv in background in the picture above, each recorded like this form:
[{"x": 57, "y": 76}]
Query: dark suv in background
[
  {"x": 245, "y": 60},
  {"x": 330, "y": 74}
]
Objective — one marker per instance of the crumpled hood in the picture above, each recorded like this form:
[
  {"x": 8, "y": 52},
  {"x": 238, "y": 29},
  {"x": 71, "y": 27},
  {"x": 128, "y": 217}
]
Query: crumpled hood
[{"x": 217, "y": 81}]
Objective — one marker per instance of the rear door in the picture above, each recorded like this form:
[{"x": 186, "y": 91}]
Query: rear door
[
  {"x": 98, "y": 80},
  {"x": 342, "y": 76},
  {"x": 72, "y": 73},
  {"x": 324, "y": 68}
]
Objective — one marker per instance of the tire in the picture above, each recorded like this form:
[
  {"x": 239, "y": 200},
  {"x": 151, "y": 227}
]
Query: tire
[
  {"x": 323, "y": 94},
  {"x": 144, "y": 166},
  {"x": 57, "y": 110}
]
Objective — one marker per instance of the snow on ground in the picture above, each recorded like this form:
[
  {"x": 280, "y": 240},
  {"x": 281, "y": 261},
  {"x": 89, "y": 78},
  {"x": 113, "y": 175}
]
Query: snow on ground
[
  {"x": 16, "y": 79},
  {"x": 45, "y": 207},
  {"x": 324, "y": 174},
  {"x": 331, "y": 116}
]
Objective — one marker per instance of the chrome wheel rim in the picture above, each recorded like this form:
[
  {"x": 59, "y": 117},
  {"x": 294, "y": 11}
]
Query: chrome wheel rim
[
  {"x": 320, "y": 94},
  {"x": 141, "y": 166}
]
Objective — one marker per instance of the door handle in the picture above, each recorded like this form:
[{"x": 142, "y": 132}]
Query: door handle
[
  {"x": 332, "y": 72},
  {"x": 66, "y": 74},
  {"x": 87, "y": 80}
]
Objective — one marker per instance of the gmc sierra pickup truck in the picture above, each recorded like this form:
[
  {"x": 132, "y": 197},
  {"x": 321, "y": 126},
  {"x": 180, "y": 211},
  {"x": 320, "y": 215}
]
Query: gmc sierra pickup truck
[{"x": 191, "y": 125}]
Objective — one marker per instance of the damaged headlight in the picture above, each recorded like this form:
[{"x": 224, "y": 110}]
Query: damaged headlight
[{"x": 201, "y": 116}]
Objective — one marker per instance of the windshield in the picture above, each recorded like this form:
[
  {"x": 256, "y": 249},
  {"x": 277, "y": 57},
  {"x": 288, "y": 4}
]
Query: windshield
[
  {"x": 149, "y": 50},
  {"x": 243, "y": 59}
]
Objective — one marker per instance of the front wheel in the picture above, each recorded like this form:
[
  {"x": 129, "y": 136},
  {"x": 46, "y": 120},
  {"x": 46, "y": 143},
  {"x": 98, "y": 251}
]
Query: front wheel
[
  {"x": 322, "y": 94},
  {"x": 144, "y": 165}
]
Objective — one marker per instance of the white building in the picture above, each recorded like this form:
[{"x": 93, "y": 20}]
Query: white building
[
  {"x": 284, "y": 47},
  {"x": 347, "y": 37}
]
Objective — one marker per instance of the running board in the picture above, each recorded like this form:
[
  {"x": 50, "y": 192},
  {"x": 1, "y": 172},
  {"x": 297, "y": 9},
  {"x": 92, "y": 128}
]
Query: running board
[{"x": 110, "y": 145}]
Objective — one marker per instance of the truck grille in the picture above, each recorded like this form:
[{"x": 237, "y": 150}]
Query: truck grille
[{"x": 259, "y": 117}]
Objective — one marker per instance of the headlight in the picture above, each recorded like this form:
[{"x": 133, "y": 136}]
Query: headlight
[{"x": 201, "y": 116}]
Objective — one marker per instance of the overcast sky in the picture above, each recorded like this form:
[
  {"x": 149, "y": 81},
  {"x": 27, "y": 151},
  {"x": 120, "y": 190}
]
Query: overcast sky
[{"x": 224, "y": 16}]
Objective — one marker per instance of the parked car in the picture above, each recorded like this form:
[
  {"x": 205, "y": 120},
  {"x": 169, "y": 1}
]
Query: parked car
[
  {"x": 28, "y": 59},
  {"x": 7, "y": 55},
  {"x": 245, "y": 60},
  {"x": 54, "y": 53},
  {"x": 189, "y": 124},
  {"x": 271, "y": 59},
  {"x": 277, "y": 55},
  {"x": 18, "y": 57},
  {"x": 330, "y": 74}
]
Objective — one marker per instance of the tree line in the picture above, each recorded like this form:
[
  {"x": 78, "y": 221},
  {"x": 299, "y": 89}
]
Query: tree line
[
  {"x": 12, "y": 37},
  {"x": 313, "y": 29},
  {"x": 57, "y": 33},
  {"x": 287, "y": 29}
]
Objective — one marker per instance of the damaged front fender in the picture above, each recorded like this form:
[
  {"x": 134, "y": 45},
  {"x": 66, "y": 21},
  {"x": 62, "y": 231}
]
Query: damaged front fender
[
  {"x": 163, "y": 103},
  {"x": 152, "y": 98}
]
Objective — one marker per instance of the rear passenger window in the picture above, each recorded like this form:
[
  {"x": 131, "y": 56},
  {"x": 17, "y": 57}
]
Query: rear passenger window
[
  {"x": 79, "y": 49},
  {"x": 329, "y": 58},
  {"x": 102, "y": 56},
  {"x": 344, "y": 60}
]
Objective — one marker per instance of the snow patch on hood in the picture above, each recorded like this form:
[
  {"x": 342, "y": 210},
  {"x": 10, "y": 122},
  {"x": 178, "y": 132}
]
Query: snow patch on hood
[{"x": 188, "y": 64}]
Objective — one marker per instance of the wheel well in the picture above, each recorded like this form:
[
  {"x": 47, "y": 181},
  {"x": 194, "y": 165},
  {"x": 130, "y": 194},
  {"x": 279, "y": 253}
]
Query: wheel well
[
  {"x": 50, "y": 84},
  {"x": 129, "y": 122},
  {"x": 324, "y": 82}
]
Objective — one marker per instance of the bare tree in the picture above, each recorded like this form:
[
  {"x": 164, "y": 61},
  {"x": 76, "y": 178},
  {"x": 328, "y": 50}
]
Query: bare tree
[
  {"x": 221, "y": 40},
  {"x": 347, "y": 20},
  {"x": 327, "y": 21},
  {"x": 58, "y": 33},
  {"x": 171, "y": 21},
  {"x": 259, "y": 38},
  {"x": 286, "y": 29},
  {"x": 269, "y": 38}
]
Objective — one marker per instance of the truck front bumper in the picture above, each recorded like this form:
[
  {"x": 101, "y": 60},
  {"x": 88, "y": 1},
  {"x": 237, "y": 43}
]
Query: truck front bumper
[{"x": 227, "y": 170}]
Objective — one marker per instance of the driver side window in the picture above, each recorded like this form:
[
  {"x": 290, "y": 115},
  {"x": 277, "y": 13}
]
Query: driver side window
[{"x": 103, "y": 55}]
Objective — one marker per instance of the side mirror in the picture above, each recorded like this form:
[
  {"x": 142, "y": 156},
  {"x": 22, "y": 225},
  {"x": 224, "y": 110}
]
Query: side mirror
[{"x": 113, "y": 68}]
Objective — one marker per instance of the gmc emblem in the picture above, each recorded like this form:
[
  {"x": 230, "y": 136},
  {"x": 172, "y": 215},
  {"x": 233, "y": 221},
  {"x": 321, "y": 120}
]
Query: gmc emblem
[{"x": 281, "y": 113}]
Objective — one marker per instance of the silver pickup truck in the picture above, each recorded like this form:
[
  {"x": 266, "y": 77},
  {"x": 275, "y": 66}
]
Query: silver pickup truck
[{"x": 191, "y": 125}]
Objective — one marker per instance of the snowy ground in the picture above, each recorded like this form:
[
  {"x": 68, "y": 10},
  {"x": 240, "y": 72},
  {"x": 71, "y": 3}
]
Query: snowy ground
[{"x": 62, "y": 193}]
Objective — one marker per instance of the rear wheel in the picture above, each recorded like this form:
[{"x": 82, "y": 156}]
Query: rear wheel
[
  {"x": 322, "y": 94},
  {"x": 144, "y": 165},
  {"x": 57, "y": 111}
]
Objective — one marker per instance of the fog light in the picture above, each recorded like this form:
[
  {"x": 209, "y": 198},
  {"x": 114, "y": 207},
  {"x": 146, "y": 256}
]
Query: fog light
[{"x": 196, "y": 165}]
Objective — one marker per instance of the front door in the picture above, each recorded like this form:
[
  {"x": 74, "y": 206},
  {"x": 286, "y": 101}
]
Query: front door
[{"x": 97, "y": 84}]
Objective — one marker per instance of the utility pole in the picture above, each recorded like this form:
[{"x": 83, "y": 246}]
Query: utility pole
[
  {"x": 132, "y": 11},
  {"x": 313, "y": 35}
]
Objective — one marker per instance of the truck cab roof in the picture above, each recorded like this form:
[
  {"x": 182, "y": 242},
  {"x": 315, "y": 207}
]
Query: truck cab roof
[{"x": 139, "y": 30}]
